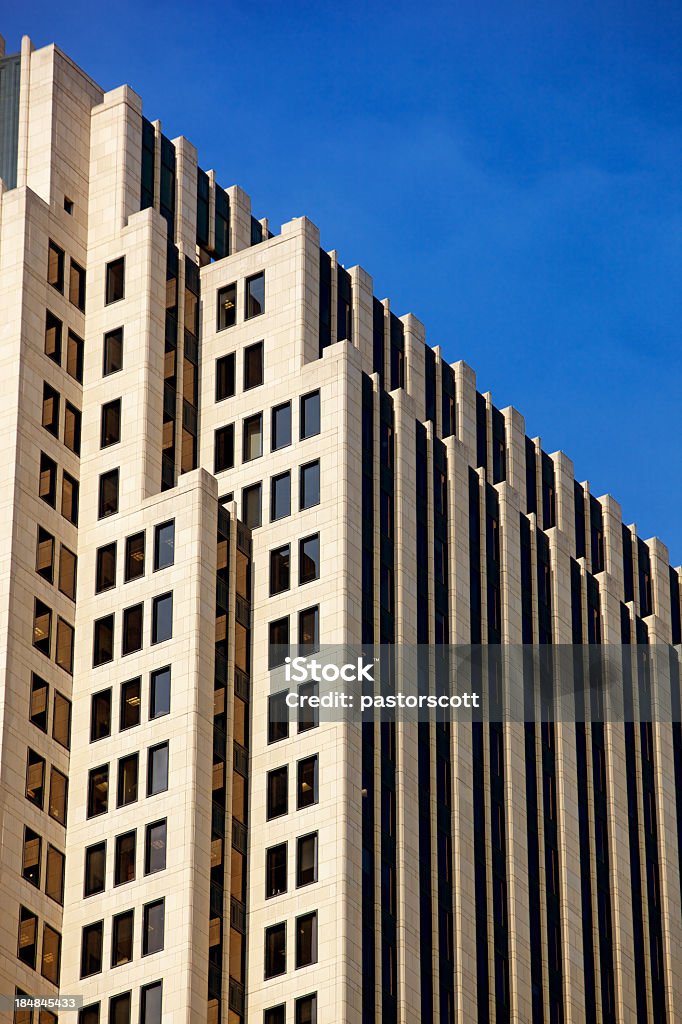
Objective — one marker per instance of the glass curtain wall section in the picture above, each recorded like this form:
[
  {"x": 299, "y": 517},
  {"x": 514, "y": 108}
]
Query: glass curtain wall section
[
  {"x": 170, "y": 369},
  {"x": 190, "y": 368}
]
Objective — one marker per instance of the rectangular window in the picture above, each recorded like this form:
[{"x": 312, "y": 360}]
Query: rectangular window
[
  {"x": 306, "y": 1010},
  {"x": 120, "y": 1009},
  {"x": 279, "y": 570},
  {"x": 108, "y": 494},
  {"x": 42, "y": 627},
  {"x": 31, "y": 857},
  {"x": 277, "y": 792},
  {"x": 252, "y": 437},
  {"x": 227, "y": 306},
  {"x": 64, "y": 646},
  {"x": 113, "y": 352},
  {"x": 276, "y": 1014},
  {"x": 281, "y": 426},
  {"x": 127, "y": 780},
  {"x": 61, "y": 720},
  {"x": 111, "y": 423},
  {"x": 132, "y": 629},
  {"x": 310, "y": 415},
  {"x": 72, "y": 428},
  {"x": 278, "y": 717},
  {"x": 309, "y": 630},
  {"x": 115, "y": 281},
  {"x": 45, "y": 555},
  {"x": 77, "y": 286},
  {"x": 223, "y": 448},
  {"x": 131, "y": 703},
  {"x": 50, "y": 419},
  {"x": 276, "y": 870},
  {"x": 68, "y": 564},
  {"x": 124, "y": 859},
  {"x": 55, "y": 266},
  {"x": 275, "y": 950},
  {"x": 54, "y": 875},
  {"x": 52, "y": 952},
  {"x": 27, "y": 943},
  {"x": 306, "y": 783},
  {"x": 252, "y": 506},
  {"x": 253, "y": 366},
  {"x": 306, "y": 859},
  {"x": 53, "y": 338},
  {"x": 91, "y": 949},
  {"x": 155, "y": 847},
  {"x": 159, "y": 693},
  {"x": 39, "y": 697},
  {"x": 98, "y": 791},
  {"x": 100, "y": 715},
  {"x": 309, "y": 559},
  {"x": 95, "y": 869},
  {"x": 153, "y": 926},
  {"x": 89, "y": 1014},
  {"x": 255, "y": 296},
  {"x": 310, "y": 485},
  {"x": 280, "y": 496},
  {"x": 134, "y": 564},
  {"x": 75, "y": 347},
  {"x": 224, "y": 377},
  {"x": 150, "y": 1004},
  {"x": 105, "y": 570},
  {"x": 122, "y": 939},
  {"x": 162, "y": 618},
  {"x": 103, "y": 646},
  {"x": 48, "y": 480},
  {"x": 59, "y": 787},
  {"x": 70, "y": 498},
  {"x": 308, "y": 717},
  {"x": 157, "y": 769},
  {"x": 164, "y": 545},
  {"x": 278, "y": 642},
  {"x": 306, "y": 940}
]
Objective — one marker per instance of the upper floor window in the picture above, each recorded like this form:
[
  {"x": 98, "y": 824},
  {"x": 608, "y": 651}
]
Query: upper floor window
[
  {"x": 159, "y": 693},
  {"x": 39, "y": 701},
  {"x": 100, "y": 715},
  {"x": 131, "y": 703},
  {"x": 30, "y": 861},
  {"x": 279, "y": 570},
  {"x": 150, "y": 1003},
  {"x": 253, "y": 437},
  {"x": 103, "y": 647},
  {"x": 35, "y": 778},
  {"x": 224, "y": 377},
  {"x": 309, "y": 559},
  {"x": 27, "y": 945},
  {"x": 53, "y": 338},
  {"x": 113, "y": 352},
  {"x": 72, "y": 428},
  {"x": 275, "y": 950},
  {"x": 132, "y": 629},
  {"x": 306, "y": 1010},
  {"x": 155, "y": 847},
  {"x": 253, "y": 366},
  {"x": 55, "y": 266},
  {"x": 77, "y": 286},
  {"x": 134, "y": 563},
  {"x": 306, "y": 782},
  {"x": 111, "y": 423},
  {"x": 70, "y": 491},
  {"x": 310, "y": 485},
  {"x": 108, "y": 494},
  {"x": 280, "y": 496},
  {"x": 162, "y": 618},
  {"x": 227, "y": 306},
  {"x": 115, "y": 280},
  {"x": 120, "y": 1007},
  {"x": 157, "y": 769},
  {"x": 306, "y": 859},
  {"x": 61, "y": 720},
  {"x": 45, "y": 555},
  {"x": 105, "y": 571},
  {"x": 309, "y": 630},
  {"x": 98, "y": 791},
  {"x": 74, "y": 357},
  {"x": 276, "y": 870},
  {"x": 252, "y": 506},
  {"x": 48, "y": 480},
  {"x": 281, "y": 426},
  {"x": 255, "y": 295},
  {"x": 164, "y": 545},
  {"x": 95, "y": 869},
  {"x": 42, "y": 627},
  {"x": 277, "y": 792},
  {"x": 310, "y": 414},
  {"x": 50, "y": 410},
  {"x": 91, "y": 949},
  {"x": 278, "y": 642},
  {"x": 223, "y": 452},
  {"x": 306, "y": 940},
  {"x": 276, "y": 1014},
  {"x": 121, "y": 946}
]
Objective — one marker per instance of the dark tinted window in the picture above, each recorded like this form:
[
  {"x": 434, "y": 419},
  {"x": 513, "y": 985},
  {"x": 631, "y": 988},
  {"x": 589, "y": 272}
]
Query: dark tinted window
[
  {"x": 150, "y": 1004},
  {"x": 91, "y": 949},
  {"x": 72, "y": 428},
  {"x": 95, "y": 869},
  {"x": 155, "y": 847},
  {"x": 131, "y": 703},
  {"x": 278, "y": 641},
  {"x": 162, "y": 618},
  {"x": 310, "y": 415},
  {"x": 251, "y": 506},
  {"x": 100, "y": 715},
  {"x": 55, "y": 266},
  {"x": 134, "y": 564},
  {"x": 164, "y": 545},
  {"x": 310, "y": 485},
  {"x": 223, "y": 452},
  {"x": 281, "y": 426},
  {"x": 48, "y": 480},
  {"x": 42, "y": 627},
  {"x": 103, "y": 649},
  {"x": 39, "y": 698},
  {"x": 113, "y": 351},
  {"x": 253, "y": 366},
  {"x": 108, "y": 494},
  {"x": 227, "y": 306},
  {"x": 45, "y": 555},
  {"x": 127, "y": 780},
  {"x": 278, "y": 717},
  {"x": 277, "y": 792},
  {"x": 306, "y": 859},
  {"x": 306, "y": 940},
  {"x": 280, "y": 496},
  {"x": 74, "y": 356},
  {"x": 30, "y": 861},
  {"x": 160, "y": 692},
  {"x": 306, "y": 783},
  {"x": 122, "y": 939},
  {"x": 252, "y": 437},
  {"x": 98, "y": 791},
  {"x": 153, "y": 926},
  {"x": 111, "y": 423},
  {"x": 157, "y": 769},
  {"x": 115, "y": 280},
  {"x": 309, "y": 559},
  {"x": 105, "y": 576},
  {"x": 77, "y": 286},
  {"x": 132, "y": 629},
  {"x": 279, "y": 569},
  {"x": 276, "y": 870},
  {"x": 124, "y": 860},
  {"x": 309, "y": 630},
  {"x": 275, "y": 950},
  {"x": 50, "y": 418},
  {"x": 53, "y": 338},
  {"x": 255, "y": 296},
  {"x": 224, "y": 377},
  {"x": 70, "y": 498}
]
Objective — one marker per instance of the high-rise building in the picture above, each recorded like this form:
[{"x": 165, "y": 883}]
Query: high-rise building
[{"x": 217, "y": 440}]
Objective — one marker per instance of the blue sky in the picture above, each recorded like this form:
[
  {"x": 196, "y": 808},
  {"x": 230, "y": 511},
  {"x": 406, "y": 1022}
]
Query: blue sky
[{"x": 508, "y": 172}]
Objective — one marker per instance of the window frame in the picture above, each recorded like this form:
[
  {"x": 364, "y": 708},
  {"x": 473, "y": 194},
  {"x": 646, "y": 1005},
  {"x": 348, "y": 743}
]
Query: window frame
[
  {"x": 254, "y": 351},
  {"x": 304, "y": 434},
  {"x": 303, "y": 469},
  {"x": 110, "y": 293}
]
